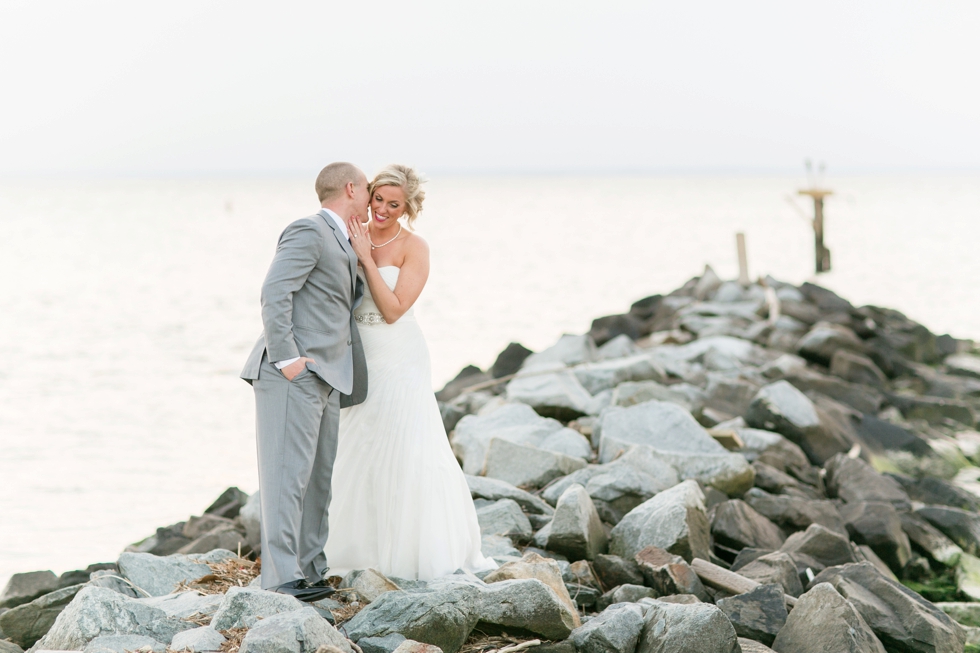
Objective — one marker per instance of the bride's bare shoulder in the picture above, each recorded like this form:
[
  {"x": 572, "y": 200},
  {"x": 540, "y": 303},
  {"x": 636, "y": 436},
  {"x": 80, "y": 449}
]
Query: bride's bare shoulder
[{"x": 415, "y": 245}]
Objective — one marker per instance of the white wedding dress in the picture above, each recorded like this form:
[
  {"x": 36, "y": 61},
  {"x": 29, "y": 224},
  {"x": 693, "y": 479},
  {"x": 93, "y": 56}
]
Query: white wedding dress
[{"x": 400, "y": 501}]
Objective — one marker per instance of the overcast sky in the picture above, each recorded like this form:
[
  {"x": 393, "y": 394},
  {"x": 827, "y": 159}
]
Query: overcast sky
[{"x": 183, "y": 88}]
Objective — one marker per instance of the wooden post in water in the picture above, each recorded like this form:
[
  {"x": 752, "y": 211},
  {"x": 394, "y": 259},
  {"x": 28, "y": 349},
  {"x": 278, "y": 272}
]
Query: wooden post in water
[
  {"x": 743, "y": 260},
  {"x": 822, "y": 253}
]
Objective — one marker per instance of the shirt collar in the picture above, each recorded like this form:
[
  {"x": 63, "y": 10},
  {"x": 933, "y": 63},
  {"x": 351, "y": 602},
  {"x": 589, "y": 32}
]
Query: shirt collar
[{"x": 340, "y": 223}]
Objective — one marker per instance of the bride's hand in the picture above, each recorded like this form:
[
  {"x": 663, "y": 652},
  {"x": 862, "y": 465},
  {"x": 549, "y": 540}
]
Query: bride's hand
[{"x": 359, "y": 238}]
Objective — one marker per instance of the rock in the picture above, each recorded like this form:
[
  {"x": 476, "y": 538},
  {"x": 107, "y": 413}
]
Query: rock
[
  {"x": 856, "y": 368},
  {"x": 508, "y": 362},
  {"x": 198, "y": 640},
  {"x": 878, "y": 435},
  {"x": 625, "y": 594},
  {"x": 854, "y": 480},
  {"x": 9, "y": 647},
  {"x": 498, "y": 546},
  {"x": 679, "y": 628},
  {"x": 576, "y": 530},
  {"x": 371, "y": 583},
  {"x": 935, "y": 410},
  {"x": 824, "y": 340},
  {"x": 824, "y": 621},
  {"x": 613, "y": 327},
  {"x": 729, "y": 395},
  {"x": 451, "y": 414},
  {"x": 157, "y": 575},
  {"x": 124, "y": 644},
  {"x": 820, "y": 546},
  {"x": 901, "y": 619},
  {"x": 493, "y": 489},
  {"x": 29, "y": 622},
  {"x": 877, "y": 525},
  {"x": 773, "y": 480},
  {"x": 758, "y": 614},
  {"x": 165, "y": 541},
  {"x": 243, "y": 606},
  {"x": 96, "y": 611},
  {"x": 442, "y": 617},
  {"x": 615, "y": 630},
  {"x": 607, "y": 374},
  {"x": 25, "y": 587},
  {"x": 552, "y": 391},
  {"x": 569, "y": 350},
  {"x": 613, "y": 571},
  {"x": 468, "y": 376},
  {"x": 736, "y": 525},
  {"x": 534, "y": 566},
  {"x": 963, "y": 613},
  {"x": 228, "y": 504},
  {"x": 959, "y": 525},
  {"x": 937, "y": 492},
  {"x": 782, "y": 408},
  {"x": 631, "y": 394},
  {"x": 795, "y": 513},
  {"x": 926, "y": 537},
  {"x": 752, "y": 646},
  {"x": 506, "y": 518},
  {"x": 862, "y": 398},
  {"x": 963, "y": 365},
  {"x": 668, "y": 574},
  {"x": 225, "y": 537},
  {"x": 385, "y": 644},
  {"x": 529, "y": 604},
  {"x": 411, "y": 646},
  {"x": 251, "y": 519},
  {"x": 186, "y": 604},
  {"x": 674, "y": 520},
  {"x": 968, "y": 576},
  {"x": 299, "y": 631},
  {"x": 621, "y": 346},
  {"x": 615, "y": 488},
  {"x": 579, "y": 572},
  {"x": 707, "y": 284},
  {"x": 776, "y": 567},
  {"x": 526, "y": 466},
  {"x": 779, "y": 453}
]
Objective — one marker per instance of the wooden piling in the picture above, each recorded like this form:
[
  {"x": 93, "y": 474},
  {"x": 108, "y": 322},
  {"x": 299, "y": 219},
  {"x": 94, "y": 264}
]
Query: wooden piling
[{"x": 821, "y": 252}]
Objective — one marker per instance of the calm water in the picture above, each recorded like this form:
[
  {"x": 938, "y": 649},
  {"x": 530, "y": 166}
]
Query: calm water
[{"x": 127, "y": 310}]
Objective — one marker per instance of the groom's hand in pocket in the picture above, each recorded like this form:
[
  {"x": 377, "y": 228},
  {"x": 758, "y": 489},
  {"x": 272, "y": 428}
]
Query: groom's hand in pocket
[{"x": 292, "y": 370}]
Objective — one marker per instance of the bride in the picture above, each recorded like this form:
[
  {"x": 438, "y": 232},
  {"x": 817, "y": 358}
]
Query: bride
[{"x": 400, "y": 501}]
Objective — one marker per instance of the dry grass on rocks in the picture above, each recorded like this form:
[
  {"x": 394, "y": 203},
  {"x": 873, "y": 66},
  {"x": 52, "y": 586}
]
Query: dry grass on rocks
[
  {"x": 233, "y": 572},
  {"x": 233, "y": 639},
  {"x": 503, "y": 643}
]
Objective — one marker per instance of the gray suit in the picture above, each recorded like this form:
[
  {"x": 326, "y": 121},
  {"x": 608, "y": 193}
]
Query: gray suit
[{"x": 307, "y": 298}]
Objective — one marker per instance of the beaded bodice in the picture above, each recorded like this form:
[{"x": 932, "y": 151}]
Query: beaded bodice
[{"x": 367, "y": 313}]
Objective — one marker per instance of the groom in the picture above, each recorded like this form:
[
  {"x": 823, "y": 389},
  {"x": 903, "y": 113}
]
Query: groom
[{"x": 307, "y": 364}]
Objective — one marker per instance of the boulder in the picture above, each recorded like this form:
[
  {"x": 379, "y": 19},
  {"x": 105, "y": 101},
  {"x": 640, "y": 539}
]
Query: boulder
[
  {"x": 529, "y": 604},
  {"x": 158, "y": 575},
  {"x": 251, "y": 519},
  {"x": 607, "y": 374},
  {"x": 498, "y": 546},
  {"x": 243, "y": 606},
  {"x": 935, "y": 410},
  {"x": 620, "y": 346},
  {"x": 795, "y": 513},
  {"x": 508, "y": 362},
  {"x": 968, "y": 576},
  {"x": 225, "y": 537},
  {"x": 198, "y": 640},
  {"x": 25, "y": 587},
  {"x": 854, "y": 480},
  {"x": 668, "y": 574},
  {"x": 824, "y": 621},
  {"x": 167, "y": 540},
  {"x": 818, "y": 547},
  {"x": 614, "y": 630},
  {"x": 958, "y": 525},
  {"x": 856, "y": 368},
  {"x": 569, "y": 350},
  {"x": 729, "y": 395},
  {"x": 780, "y": 407},
  {"x": 901, "y": 619},
  {"x": 776, "y": 567},
  {"x": 411, "y": 646},
  {"x": 468, "y": 376},
  {"x": 877, "y": 525},
  {"x": 758, "y": 614},
  {"x": 633, "y": 393},
  {"x": 681, "y": 628},
  {"x": 927, "y": 538},
  {"x": 937, "y": 492},
  {"x": 186, "y": 604},
  {"x": 824, "y": 339},
  {"x": 734, "y": 524},
  {"x": 195, "y": 527},
  {"x": 534, "y": 566},
  {"x": 493, "y": 489},
  {"x": 386, "y": 644},
  {"x": 778, "y": 452},
  {"x": 124, "y": 644},
  {"x": 625, "y": 594},
  {"x": 963, "y": 613},
  {"x": 612, "y": 571},
  {"x": 773, "y": 480},
  {"x": 29, "y": 622},
  {"x": 228, "y": 503},
  {"x": 527, "y": 466},
  {"x": 504, "y": 517},
  {"x": 751, "y": 646},
  {"x": 576, "y": 530},
  {"x": 9, "y": 647},
  {"x": 97, "y": 611},
  {"x": 611, "y": 328},
  {"x": 963, "y": 365},
  {"x": 552, "y": 391},
  {"x": 615, "y": 488},
  {"x": 579, "y": 572},
  {"x": 370, "y": 584},
  {"x": 299, "y": 631},
  {"x": 674, "y": 520},
  {"x": 862, "y": 398}
]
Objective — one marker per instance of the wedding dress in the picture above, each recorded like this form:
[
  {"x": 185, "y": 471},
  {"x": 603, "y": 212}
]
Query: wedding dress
[{"x": 400, "y": 501}]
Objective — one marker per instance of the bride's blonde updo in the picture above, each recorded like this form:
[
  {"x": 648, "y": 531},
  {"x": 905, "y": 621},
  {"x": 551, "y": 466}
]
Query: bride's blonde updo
[{"x": 409, "y": 180}]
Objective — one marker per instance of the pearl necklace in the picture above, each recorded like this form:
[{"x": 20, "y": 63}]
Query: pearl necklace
[{"x": 373, "y": 246}]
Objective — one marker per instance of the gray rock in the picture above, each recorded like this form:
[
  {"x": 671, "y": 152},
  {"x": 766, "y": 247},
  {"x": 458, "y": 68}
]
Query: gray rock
[
  {"x": 773, "y": 480},
  {"x": 224, "y": 536},
  {"x": 371, "y": 583},
  {"x": 963, "y": 365},
  {"x": 625, "y": 594},
  {"x": 854, "y": 480},
  {"x": 959, "y": 525},
  {"x": 386, "y": 644},
  {"x": 552, "y": 391},
  {"x": 752, "y": 646},
  {"x": 968, "y": 576},
  {"x": 607, "y": 374},
  {"x": 795, "y": 513},
  {"x": 576, "y": 530},
  {"x": 195, "y": 527},
  {"x": 10, "y": 647},
  {"x": 707, "y": 284},
  {"x": 251, "y": 519},
  {"x": 935, "y": 410},
  {"x": 529, "y": 604},
  {"x": 493, "y": 489},
  {"x": 824, "y": 339},
  {"x": 615, "y": 488},
  {"x": 674, "y": 520},
  {"x": 729, "y": 395},
  {"x": 758, "y": 614},
  {"x": 612, "y": 571},
  {"x": 963, "y": 613},
  {"x": 782, "y": 408},
  {"x": 158, "y": 575},
  {"x": 186, "y": 604},
  {"x": 615, "y": 630},
  {"x": 498, "y": 546},
  {"x": 504, "y": 517},
  {"x": 97, "y": 611},
  {"x": 877, "y": 525},
  {"x": 165, "y": 541},
  {"x": 928, "y": 538},
  {"x": 569, "y": 350},
  {"x": 938, "y": 492},
  {"x": 819, "y": 545},
  {"x": 668, "y": 574},
  {"x": 25, "y": 587},
  {"x": 620, "y": 346},
  {"x": 856, "y": 368},
  {"x": 776, "y": 567},
  {"x": 198, "y": 640},
  {"x": 243, "y": 606},
  {"x": 680, "y": 628},
  {"x": 633, "y": 393},
  {"x": 736, "y": 525},
  {"x": 411, "y": 646},
  {"x": 526, "y": 466},
  {"x": 29, "y": 622},
  {"x": 300, "y": 631},
  {"x": 778, "y": 452},
  {"x": 901, "y": 619},
  {"x": 110, "y": 579},
  {"x": 824, "y": 621},
  {"x": 123, "y": 644},
  {"x": 582, "y": 595}
]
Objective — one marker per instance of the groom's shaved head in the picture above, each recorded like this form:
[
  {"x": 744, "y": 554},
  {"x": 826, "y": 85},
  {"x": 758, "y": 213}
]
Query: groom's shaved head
[{"x": 334, "y": 178}]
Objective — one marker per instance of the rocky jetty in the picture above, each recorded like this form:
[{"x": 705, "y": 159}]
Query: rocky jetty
[{"x": 723, "y": 468}]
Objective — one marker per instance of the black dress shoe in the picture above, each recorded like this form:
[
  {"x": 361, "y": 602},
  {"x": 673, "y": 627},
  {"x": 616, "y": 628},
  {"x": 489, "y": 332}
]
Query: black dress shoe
[{"x": 304, "y": 591}]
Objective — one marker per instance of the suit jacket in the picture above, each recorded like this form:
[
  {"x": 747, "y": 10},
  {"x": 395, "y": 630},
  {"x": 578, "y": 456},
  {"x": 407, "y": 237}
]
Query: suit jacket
[{"x": 308, "y": 297}]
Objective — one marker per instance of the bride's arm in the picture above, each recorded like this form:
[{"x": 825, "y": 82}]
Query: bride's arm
[{"x": 411, "y": 278}]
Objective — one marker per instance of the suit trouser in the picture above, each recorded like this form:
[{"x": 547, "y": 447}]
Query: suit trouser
[{"x": 296, "y": 437}]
